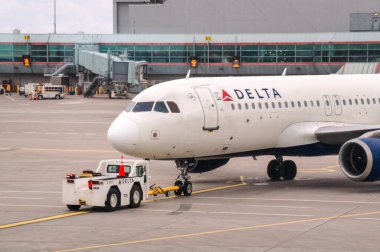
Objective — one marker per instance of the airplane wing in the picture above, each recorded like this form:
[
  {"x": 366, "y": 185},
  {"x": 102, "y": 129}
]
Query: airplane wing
[{"x": 336, "y": 135}]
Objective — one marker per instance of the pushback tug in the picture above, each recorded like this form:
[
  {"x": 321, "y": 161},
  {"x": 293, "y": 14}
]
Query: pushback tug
[{"x": 116, "y": 183}]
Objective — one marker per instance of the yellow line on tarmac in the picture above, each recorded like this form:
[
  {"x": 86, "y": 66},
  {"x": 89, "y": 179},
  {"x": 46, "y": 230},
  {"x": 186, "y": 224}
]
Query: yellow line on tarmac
[
  {"x": 199, "y": 191},
  {"x": 60, "y": 216},
  {"x": 320, "y": 170},
  {"x": 219, "y": 231}
]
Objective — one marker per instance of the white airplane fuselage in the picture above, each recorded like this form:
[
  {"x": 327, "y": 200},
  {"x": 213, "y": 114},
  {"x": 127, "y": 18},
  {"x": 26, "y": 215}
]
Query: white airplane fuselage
[{"x": 245, "y": 116}]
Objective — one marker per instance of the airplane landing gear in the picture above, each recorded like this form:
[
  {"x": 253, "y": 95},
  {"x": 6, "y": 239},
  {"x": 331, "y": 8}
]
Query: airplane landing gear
[
  {"x": 278, "y": 169},
  {"x": 183, "y": 179}
]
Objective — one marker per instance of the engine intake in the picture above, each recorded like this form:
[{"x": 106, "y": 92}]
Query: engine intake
[{"x": 359, "y": 159}]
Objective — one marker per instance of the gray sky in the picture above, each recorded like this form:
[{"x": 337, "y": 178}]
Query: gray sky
[{"x": 73, "y": 16}]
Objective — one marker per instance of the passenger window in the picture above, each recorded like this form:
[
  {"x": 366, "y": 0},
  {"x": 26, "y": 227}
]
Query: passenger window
[
  {"x": 266, "y": 105},
  {"x": 273, "y": 105},
  {"x": 279, "y": 105},
  {"x": 305, "y": 103},
  {"x": 379, "y": 100},
  {"x": 143, "y": 107},
  {"x": 246, "y": 106},
  {"x": 337, "y": 102},
  {"x": 161, "y": 107},
  {"x": 253, "y": 105},
  {"x": 233, "y": 106},
  {"x": 350, "y": 101},
  {"x": 327, "y": 103},
  {"x": 173, "y": 107},
  {"x": 374, "y": 100},
  {"x": 130, "y": 106},
  {"x": 299, "y": 104},
  {"x": 312, "y": 103},
  {"x": 260, "y": 107},
  {"x": 368, "y": 101},
  {"x": 318, "y": 104},
  {"x": 286, "y": 104},
  {"x": 362, "y": 100},
  {"x": 292, "y": 104},
  {"x": 356, "y": 101},
  {"x": 239, "y": 106},
  {"x": 344, "y": 102}
]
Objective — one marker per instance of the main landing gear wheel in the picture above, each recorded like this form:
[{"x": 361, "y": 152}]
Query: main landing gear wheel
[
  {"x": 278, "y": 169},
  {"x": 273, "y": 169}
]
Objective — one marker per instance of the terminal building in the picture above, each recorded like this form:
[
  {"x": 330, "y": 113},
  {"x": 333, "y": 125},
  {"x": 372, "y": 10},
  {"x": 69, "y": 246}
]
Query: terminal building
[{"x": 213, "y": 38}]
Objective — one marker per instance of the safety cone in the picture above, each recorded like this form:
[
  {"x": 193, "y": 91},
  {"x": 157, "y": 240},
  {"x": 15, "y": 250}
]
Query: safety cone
[{"x": 121, "y": 168}]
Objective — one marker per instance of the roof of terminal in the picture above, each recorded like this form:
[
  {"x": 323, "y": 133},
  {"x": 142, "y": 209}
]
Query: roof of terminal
[{"x": 354, "y": 37}]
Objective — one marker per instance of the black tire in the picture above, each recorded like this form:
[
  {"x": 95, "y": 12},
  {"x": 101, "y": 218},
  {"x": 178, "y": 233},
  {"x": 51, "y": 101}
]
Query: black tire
[
  {"x": 73, "y": 207},
  {"x": 179, "y": 184},
  {"x": 57, "y": 97},
  {"x": 113, "y": 200},
  {"x": 135, "y": 196},
  {"x": 273, "y": 169},
  {"x": 289, "y": 170},
  {"x": 187, "y": 188},
  {"x": 40, "y": 97}
]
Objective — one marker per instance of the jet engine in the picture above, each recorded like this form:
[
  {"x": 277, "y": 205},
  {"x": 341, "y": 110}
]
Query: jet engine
[{"x": 359, "y": 159}]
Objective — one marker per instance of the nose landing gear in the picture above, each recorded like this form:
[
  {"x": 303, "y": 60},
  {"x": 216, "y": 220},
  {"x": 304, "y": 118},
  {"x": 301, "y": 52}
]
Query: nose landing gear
[
  {"x": 278, "y": 169},
  {"x": 183, "y": 179}
]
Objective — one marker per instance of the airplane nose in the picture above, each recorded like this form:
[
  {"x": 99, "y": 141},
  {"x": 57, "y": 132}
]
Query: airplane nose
[{"x": 123, "y": 134}]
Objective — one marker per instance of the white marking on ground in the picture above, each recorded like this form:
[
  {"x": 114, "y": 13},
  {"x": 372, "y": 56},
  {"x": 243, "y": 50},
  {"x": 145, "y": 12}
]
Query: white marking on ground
[
  {"x": 10, "y": 98},
  {"x": 71, "y": 133},
  {"x": 28, "y": 132},
  {"x": 292, "y": 200},
  {"x": 51, "y": 133},
  {"x": 14, "y": 191},
  {"x": 294, "y": 207},
  {"x": 48, "y": 206},
  {"x": 8, "y": 132},
  {"x": 227, "y": 213},
  {"x": 12, "y": 197}
]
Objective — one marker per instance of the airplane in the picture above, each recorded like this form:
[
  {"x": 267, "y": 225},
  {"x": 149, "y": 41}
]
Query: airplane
[{"x": 200, "y": 123}]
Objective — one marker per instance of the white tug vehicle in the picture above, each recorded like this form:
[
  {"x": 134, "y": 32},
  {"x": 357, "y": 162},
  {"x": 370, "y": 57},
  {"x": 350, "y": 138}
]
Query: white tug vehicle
[{"x": 115, "y": 183}]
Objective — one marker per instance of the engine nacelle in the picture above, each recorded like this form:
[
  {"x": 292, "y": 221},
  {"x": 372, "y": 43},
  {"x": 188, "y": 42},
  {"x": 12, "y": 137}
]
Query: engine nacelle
[
  {"x": 359, "y": 159},
  {"x": 207, "y": 165}
]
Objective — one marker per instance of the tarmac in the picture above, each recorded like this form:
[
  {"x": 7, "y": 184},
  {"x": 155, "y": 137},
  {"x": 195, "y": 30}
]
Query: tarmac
[{"x": 233, "y": 208}]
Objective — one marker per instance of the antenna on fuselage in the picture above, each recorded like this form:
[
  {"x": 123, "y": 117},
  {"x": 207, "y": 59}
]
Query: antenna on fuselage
[
  {"x": 188, "y": 74},
  {"x": 284, "y": 72}
]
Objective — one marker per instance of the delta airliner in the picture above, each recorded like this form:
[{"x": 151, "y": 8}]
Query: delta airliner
[{"x": 201, "y": 123}]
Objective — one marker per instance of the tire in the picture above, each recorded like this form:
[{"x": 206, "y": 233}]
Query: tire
[
  {"x": 73, "y": 207},
  {"x": 113, "y": 200},
  {"x": 135, "y": 196},
  {"x": 179, "y": 184},
  {"x": 273, "y": 170},
  {"x": 40, "y": 97},
  {"x": 289, "y": 170},
  {"x": 187, "y": 188},
  {"x": 57, "y": 97}
]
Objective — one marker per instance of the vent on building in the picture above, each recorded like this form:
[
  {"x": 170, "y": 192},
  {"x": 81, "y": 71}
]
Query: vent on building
[{"x": 364, "y": 22}]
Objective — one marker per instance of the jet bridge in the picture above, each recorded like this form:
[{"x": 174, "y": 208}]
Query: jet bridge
[{"x": 110, "y": 69}]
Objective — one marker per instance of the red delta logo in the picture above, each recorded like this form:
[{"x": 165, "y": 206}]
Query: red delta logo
[{"x": 226, "y": 96}]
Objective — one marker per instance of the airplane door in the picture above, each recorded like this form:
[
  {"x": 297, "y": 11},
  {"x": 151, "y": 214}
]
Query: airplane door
[
  {"x": 337, "y": 105},
  {"x": 210, "y": 110},
  {"x": 327, "y": 103}
]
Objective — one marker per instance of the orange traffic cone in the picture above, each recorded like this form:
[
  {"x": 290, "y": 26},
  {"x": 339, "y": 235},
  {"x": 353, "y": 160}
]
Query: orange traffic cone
[{"x": 121, "y": 168}]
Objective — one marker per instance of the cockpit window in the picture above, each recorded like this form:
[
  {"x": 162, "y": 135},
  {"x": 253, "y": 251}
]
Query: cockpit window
[
  {"x": 161, "y": 107},
  {"x": 143, "y": 107},
  {"x": 173, "y": 107},
  {"x": 130, "y": 106}
]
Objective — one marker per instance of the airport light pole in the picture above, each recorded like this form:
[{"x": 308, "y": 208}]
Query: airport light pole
[{"x": 55, "y": 23}]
